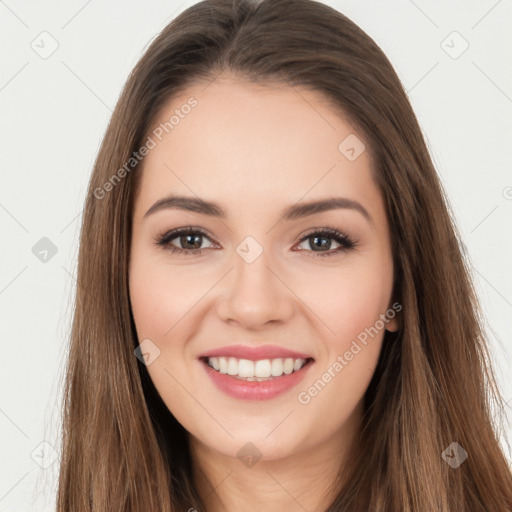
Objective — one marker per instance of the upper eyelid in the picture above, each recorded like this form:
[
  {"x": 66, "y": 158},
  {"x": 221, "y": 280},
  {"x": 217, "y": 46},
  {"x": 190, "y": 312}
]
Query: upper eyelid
[
  {"x": 328, "y": 230},
  {"x": 186, "y": 230}
]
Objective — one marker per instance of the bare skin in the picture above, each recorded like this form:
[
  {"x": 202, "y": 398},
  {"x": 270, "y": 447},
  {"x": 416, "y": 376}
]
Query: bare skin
[{"x": 256, "y": 151}]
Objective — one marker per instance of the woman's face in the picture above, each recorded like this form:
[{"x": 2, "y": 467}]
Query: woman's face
[{"x": 265, "y": 279}]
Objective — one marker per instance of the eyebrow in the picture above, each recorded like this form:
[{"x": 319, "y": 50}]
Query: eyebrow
[{"x": 198, "y": 205}]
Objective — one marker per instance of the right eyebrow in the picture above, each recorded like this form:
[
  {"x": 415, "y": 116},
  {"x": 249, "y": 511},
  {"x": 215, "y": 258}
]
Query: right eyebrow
[{"x": 192, "y": 204}]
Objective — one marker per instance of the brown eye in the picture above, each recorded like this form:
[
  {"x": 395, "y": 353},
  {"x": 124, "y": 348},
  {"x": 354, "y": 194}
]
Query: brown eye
[
  {"x": 193, "y": 241},
  {"x": 189, "y": 241}
]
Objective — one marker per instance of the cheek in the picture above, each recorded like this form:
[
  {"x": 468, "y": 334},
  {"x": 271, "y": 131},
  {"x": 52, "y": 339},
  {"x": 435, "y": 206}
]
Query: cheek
[
  {"x": 161, "y": 296},
  {"x": 162, "y": 305},
  {"x": 350, "y": 302}
]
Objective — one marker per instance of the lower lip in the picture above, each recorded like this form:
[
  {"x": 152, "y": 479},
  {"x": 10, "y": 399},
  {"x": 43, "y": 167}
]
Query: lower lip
[{"x": 253, "y": 390}]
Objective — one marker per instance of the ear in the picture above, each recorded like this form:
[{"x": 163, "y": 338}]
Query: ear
[{"x": 394, "y": 315}]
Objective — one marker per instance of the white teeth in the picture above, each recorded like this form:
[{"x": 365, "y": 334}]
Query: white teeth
[
  {"x": 263, "y": 368},
  {"x": 245, "y": 368},
  {"x": 288, "y": 366},
  {"x": 277, "y": 367},
  {"x": 232, "y": 366},
  {"x": 297, "y": 365}
]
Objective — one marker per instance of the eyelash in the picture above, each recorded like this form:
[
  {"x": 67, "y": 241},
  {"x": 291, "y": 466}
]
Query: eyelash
[{"x": 346, "y": 242}]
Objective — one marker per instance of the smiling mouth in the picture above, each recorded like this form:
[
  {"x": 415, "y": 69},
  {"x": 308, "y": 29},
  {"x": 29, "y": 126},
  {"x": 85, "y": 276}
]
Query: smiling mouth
[{"x": 256, "y": 371}]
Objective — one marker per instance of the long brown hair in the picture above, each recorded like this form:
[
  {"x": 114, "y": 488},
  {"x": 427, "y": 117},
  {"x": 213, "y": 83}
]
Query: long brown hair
[{"x": 434, "y": 385}]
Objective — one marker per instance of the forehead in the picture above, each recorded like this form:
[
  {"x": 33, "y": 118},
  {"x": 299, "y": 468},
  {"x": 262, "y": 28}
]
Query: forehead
[{"x": 254, "y": 144}]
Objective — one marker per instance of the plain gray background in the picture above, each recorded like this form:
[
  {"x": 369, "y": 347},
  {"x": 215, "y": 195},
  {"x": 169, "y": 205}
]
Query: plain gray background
[{"x": 54, "y": 111}]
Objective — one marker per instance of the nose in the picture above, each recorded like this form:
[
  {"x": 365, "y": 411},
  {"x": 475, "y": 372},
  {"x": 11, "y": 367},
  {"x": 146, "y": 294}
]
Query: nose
[{"x": 255, "y": 295}]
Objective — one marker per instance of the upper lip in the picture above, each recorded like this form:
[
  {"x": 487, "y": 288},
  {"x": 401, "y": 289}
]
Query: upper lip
[{"x": 254, "y": 353}]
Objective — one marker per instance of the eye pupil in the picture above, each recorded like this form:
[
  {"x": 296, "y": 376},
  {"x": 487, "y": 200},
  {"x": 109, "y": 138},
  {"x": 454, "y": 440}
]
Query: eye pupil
[{"x": 326, "y": 244}]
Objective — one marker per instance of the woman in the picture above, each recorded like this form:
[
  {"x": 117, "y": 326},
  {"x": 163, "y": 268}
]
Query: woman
[{"x": 273, "y": 306}]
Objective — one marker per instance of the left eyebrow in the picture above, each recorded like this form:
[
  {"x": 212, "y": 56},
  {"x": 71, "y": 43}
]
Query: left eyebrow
[
  {"x": 333, "y": 203},
  {"x": 198, "y": 205}
]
